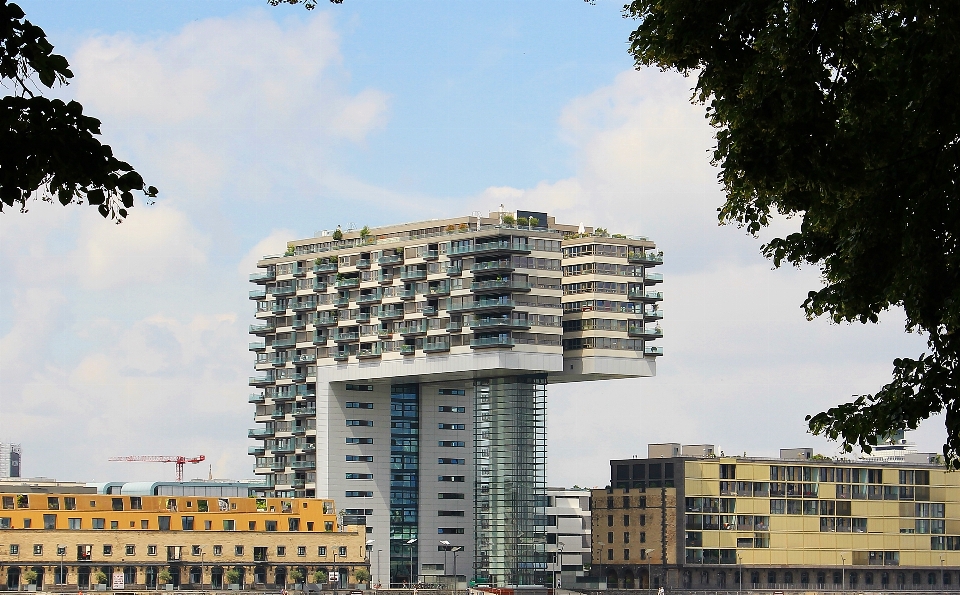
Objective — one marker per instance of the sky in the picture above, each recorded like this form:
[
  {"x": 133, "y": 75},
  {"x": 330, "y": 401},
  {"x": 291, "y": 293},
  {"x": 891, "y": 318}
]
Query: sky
[{"x": 265, "y": 124}]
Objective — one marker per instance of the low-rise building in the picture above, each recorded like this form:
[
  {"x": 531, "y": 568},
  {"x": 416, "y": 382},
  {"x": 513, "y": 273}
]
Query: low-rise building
[
  {"x": 67, "y": 539},
  {"x": 798, "y": 521},
  {"x": 568, "y": 536}
]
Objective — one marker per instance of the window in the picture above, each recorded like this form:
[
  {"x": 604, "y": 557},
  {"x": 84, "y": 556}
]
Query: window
[
  {"x": 328, "y": 526},
  {"x": 343, "y": 550},
  {"x": 451, "y": 409},
  {"x": 301, "y": 550},
  {"x": 187, "y": 523},
  {"x": 218, "y": 550},
  {"x": 130, "y": 550},
  {"x": 358, "y": 459},
  {"x": 252, "y": 526},
  {"x": 359, "y": 475},
  {"x": 643, "y": 537},
  {"x": 107, "y": 549},
  {"x": 114, "y": 524},
  {"x": 14, "y": 549},
  {"x": 163, "y": 523},
  {"x": 207, "y": 525},
  {"x": 626, "y": 554},
  {"x": 626, "y": 537},
  {"x": 360, "y": 422},
  {"x": 451, "y": 426},
  {"x": 116, "y": 504},
  {"x": 449, "y": 513},
  {"x": 84, "y": 552},
  {"x": 281, "y": 550},
  {"x": 27, "y": 523},
  {"x": 38, "y": 549},
  {"x": 453, "y": 478},
  {"x": 136, "y": 503},
  {"x": 49, "y": 521},
  {"x": 609, "y": 554},
  {"x": 322, "y": 550},
  {"x": 70, "y": 503},
  {"x": 452, "y": 443},
  {"x": 195, "y": 550},
  {"x": 359, "y": 440},
  {"x": 270, "y": 525},
  {"x": 238, "y": 550},
  {"x": 357, "y": 405},
  {"x": 259, "y": 554},
  {"x": 609, "y": 520},
  {"x": 144, "y": 524},
  {"x": 8, "y": 502},
  {"x": 452, "y": 392},
  {"x": 151, "y": 550},
  {"x": 99, "y": 523},
  {"x": 449, "y": 496},
  {"x": 358, "y": 494},
  {"x": 443, "y": 461},
  {"x": 293, "y": 524},
  {"x": 53, "y": 503},
  {"x": 610, "y": 537},
  {"x": 360, "y": 387}
]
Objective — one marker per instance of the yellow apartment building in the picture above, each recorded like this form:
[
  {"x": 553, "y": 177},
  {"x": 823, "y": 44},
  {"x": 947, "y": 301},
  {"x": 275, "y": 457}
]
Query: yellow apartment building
[
  {"x": 793, "y": 522},
  {"x": 67, "y": 539}
]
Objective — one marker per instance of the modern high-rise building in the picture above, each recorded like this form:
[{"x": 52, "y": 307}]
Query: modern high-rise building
[
  {"x": 9, "y": 460},
  {"x": 405, "y": 369}
]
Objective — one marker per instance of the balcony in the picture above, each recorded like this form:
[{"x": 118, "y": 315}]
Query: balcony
[
  {"x": 285, "y": 447},
  {"x": 278, "y": 307},
  {"x": 261, "y": 381},
  {"x": 258, "y": 294},
  {"x": 278, "y": 414},
  {"x": 480, "y": 305},
  {"x": 319, "y": 286},
  {"x": 304, "y": 306},
  {"x": 262, "y": 329},
  {"x": 500, "y": 245},
  {"x": 299, "y": 411},
  {"x": 645, "y": 258},
  {"x": 429, "y": 311},
  {"x": 407, "y": 350},
  {"x": 256, "y": 398},
  {"x": 413, "y": 275},
  {"x": 278, "y": 465},
  {"x": 492, "y": 266},
  {"x": 407, "y": 294},
  {"x": 388, "y": 259},
  {"x": 652, "y": 278},
  {"x": 363, "y": 263},
  {"x": 494, "y": 285},
  {"x": 385, "y": 279},
  {"x": 369, "y": 352},
  {"x": 431, "y": 255},
  {"x": 260, "y": 433},
  {"x": 299, "y": 377},
  {"x": 285, "y": 396},
  {"x": 413, "y": 330},
  {"x": 637, "y": 293},
  {"x": 303, "y": 465},
  {"x": 347, "y": 283},
  {"x": 652, "y": 351},
  {"x": 390, "y": 313},
  {"x": 454, "y": 327},
  {"x": 384, "y": 334},
  {"x": 488, "y": 342},
  {"x": 343, "y": 300},
  {"x": 257, "y": 451},
  {"x": 283, "y": 343},
  {"x": 341, "y": 356},
  {"x": 263, "y": 277},
  {"x": 299, "y": 324},
  {"x": 500, "y": 323},
  {"x": 305, "y": 359},
  {"x": 436, "y": 347},
  {"x": 325, "y": 267},
  {"x": 326, "y": 320},
  {"x": 369, "y": 298},
  {"x": 363, "y": 317},
  {"x": 299, "y": 430},
  {"x": 279, "y": 361},
  {"x": 454, "y": 270},
  {"x": 645, "y": 333},
  {"x": 284, "y": 291},
  {"x": 442, "y": 288},
  {"x": 653, "y": 314},
  {"x": 257, "y": 346},
  {"x": 342, "y": 337}
]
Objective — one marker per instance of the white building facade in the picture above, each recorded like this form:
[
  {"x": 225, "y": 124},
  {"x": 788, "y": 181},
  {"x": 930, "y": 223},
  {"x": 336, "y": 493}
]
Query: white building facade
[{"x": 404, "y": 372}]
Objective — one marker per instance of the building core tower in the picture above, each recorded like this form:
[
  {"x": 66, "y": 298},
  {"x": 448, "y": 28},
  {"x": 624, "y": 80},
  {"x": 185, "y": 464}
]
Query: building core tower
[{"x": 404, "y": 372}]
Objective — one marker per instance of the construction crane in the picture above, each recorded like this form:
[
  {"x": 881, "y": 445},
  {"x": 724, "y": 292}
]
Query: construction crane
[{"x": 179, "y": 460}]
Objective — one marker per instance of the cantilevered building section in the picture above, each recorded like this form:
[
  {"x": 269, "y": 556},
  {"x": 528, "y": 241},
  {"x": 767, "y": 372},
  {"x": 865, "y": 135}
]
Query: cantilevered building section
[{"x": 404, "y": 372}]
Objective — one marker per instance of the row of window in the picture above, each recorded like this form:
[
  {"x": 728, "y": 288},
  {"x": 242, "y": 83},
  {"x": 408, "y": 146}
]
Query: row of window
[
  {"x": 174, "y": 552},
  {"x": 163, "y": 524},
  {"x": 763, "y": 489},
  {"x": 626, "y": 520},
  {"x": 626, "y": 554},
  {"x": 70, "y": 502},
  {"x": 626, "y": 537},
  {"x": 367, "y": 423},
  {"x": 835, "y": 474}
]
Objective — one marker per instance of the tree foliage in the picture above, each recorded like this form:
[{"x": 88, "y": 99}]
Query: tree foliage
[
  {"x": 845, "y": 115},
  {"x": 48, "y": 147}
]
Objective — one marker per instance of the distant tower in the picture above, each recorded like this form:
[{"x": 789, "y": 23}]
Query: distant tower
[{"x": 9, "y": 460}]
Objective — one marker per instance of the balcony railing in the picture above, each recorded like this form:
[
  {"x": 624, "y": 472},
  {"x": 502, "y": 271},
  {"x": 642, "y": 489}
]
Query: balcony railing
[
  {"x": 260, "y": 433},
  {"x": 436, "y": 346},
  {"x": 407, "y": 350},
  {"x": 283, "y": 343},
  {"x": 369, "y": 298},
  {"x": 303, "y": 465},
  {"x": 299, "y": 324},
  {"x": 647, "y": 258},
  {"x": 390, "y": 313},
  {"x": 319, "y": 286},
  {"x": 429, "y": 311},
  {"x": 500, "y": 304},
  {"x": 262, "y": 329},
  {"x": 501, "y": 245},
  {"x": 346, "y": 337},
  {"x": 505, "y": 323},
  {"x": 645, "y": 333},
  {"x": 304, "y": 359},
  {"x": 261, "y": 380},
  {"x": 343, "y": 300},
  {"x": 414, "y": 275},
  {"x": 258, "y": 294},
  {"x": 257, "y": 346},
  {"x": 363, "y": 263},
  {"x": 431, "y": 255},
  {"x": 413, "y": 329},
  {"x": 499, "y": 285},
  {"x": 256, "y": 398},
  {"x": 283, "y": 291},
  {"x": 325, "y": 267},
  {"x": 383, "y": 334},
  {"x": 407, "y": 294},
  {"x": 305, "y": 305},
  {"x": 454, "y": 327},
  {"x": 263, "y": 277},
  {"x": 385, "y": 278},
  {"x": 390, "y": 259},
  {"x": 652, "y": 278},
  {"x": 454, "y": 270},
  {"x": 492, "y": 266},
  {"x": 363, "y": 317},
  {"x": 653, "y": 314},
  {"x": 278, "y": 307},
  {"x": 341, "y": 356},
  {"x": 325, "y": 320},
  {"x": 347, "y": 283},
  {"x": 369, "y": 352},
  {"x": 483, "y": 342},
  {"x": 653, "y": 351},
  {"x": 442, "y": 288}
]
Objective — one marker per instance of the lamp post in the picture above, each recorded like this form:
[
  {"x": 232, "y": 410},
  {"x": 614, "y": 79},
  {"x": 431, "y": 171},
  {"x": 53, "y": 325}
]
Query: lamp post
[
  {"x": 379, "y": 578},
  {"x": 843, "y": 562},
  {"x": 649, "y": 567},
  {"x": 558, "y": 561},
  {"x": 446, "y": 548},
  {"x": 456, "y": 579},
  {"x": 201, "y": 570},
  {"x": 62, "y": 550},
  {"x": 942, "y": 588},
  {"x": 740, "y": 582},
  {"x": 409, "y": 544},
  {"x": 336, "y": 573}
]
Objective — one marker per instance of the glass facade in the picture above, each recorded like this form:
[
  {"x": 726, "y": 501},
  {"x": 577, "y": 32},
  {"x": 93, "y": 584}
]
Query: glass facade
[
  {"x": 404, "y": 480},
  {"x": 510, "y": 439}
]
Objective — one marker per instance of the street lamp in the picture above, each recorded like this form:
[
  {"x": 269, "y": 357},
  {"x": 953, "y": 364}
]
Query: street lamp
[
  {"x": 558, "y": 561},
  {"x": 446, "y": 548},
  {"x": 201, "y": 570},
  {"x": 740, "y": 582},
  {"x": 336, "y": 572},
  {"x": 409, "y": 544},
  {"x": 942, "y": 588},
  {"x": 649, "y": 566},
  {"x": 379, "y": 579},
  {"x": 456, "y": 579},
  {"x": 62, "y": 551},
  {"x": 843, "y": 562}
]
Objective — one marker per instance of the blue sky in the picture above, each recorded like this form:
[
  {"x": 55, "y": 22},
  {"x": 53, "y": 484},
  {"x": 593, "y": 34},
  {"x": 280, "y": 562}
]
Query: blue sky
[{"x": 263, "y": 124}]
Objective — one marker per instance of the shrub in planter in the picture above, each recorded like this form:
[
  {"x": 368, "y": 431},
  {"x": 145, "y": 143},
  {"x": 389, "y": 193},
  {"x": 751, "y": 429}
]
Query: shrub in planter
[
  {"x": 362, "y": 575},
  {"x": 320, "y": 577}
]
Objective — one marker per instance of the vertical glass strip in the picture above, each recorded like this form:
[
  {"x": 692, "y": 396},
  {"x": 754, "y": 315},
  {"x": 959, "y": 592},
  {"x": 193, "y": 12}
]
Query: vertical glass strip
[
  {"x": 510, "y": 454},
  {"x": 404, "y": 481}
]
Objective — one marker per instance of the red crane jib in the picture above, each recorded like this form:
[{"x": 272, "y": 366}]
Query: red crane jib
[{"x": 179, "y": 460}]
